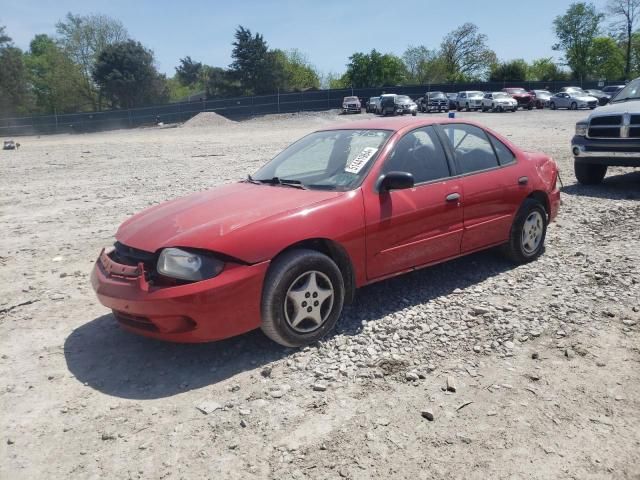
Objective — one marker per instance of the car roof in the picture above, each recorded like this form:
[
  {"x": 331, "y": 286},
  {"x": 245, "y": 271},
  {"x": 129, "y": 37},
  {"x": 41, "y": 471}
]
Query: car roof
[{"x": 395, "y": 124}]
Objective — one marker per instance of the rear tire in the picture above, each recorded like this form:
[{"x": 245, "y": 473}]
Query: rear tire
[
  {"x": 589, "y": 173},
  {"x": 528, "y": 232},
  {"x": 291, "y": 315},
  {"x": 552, "y": 106},
  {"x": 573, "y": 106}
]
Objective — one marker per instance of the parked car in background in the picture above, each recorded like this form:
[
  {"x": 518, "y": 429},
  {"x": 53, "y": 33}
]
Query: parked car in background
[
  {"x": 9, "y": 145},
  {"x": 612, "y": 89},
  {"x": 388, "y": 104},
  {"x": 499, "y": 102},
  {"x": 603, "y": 98},
  {"x": 469, "y": 100},
  {"x": 404, "y": 104},
  {"x": 540, "y": 98},
  {"x": 360, "y": 203},
  {"x": 572, "y": 100},
  {"x": 571, "y": 89},
  {"x": 521, "y": 96},
  {"x": 373, "y": 104},
  {"x": 610, "y": 136},
  {"x": 453, "y": 100},
  {"x": 433, "y": 102},
  {"x": 351, "y": 105}
]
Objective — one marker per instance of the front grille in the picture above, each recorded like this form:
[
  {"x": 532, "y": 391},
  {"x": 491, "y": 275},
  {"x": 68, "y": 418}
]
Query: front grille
[
  {"x": 132, "y": 256},
  {"x": 607, "y": 132},
  {"x": 606, "y": 126},
  {"x": 607, "y": 120}
]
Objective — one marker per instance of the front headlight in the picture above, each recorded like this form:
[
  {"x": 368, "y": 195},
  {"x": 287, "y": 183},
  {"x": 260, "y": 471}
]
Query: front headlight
[
  {"x": 581, "y": 129},
  {"x": 184, "y": 265}
]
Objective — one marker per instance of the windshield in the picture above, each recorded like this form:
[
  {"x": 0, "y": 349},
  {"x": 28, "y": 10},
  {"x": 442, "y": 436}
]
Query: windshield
[
  {"x": 542, "y": 92},
  {"x": 403, "y": 99},
  {"x": 330, "y": 160},
  {"x": 500, "y": 95},
  {"x": 475, "y": 94},
  {"x": 516, "y": 90},
  {"x": 436, "y": 95},
  {"x": 630, "y": 92},
  {"x": 350, "y": 99}
]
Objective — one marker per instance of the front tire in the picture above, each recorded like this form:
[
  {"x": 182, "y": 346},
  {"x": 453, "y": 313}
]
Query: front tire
[
  {"x": 552, "y": 106},
  {"x": 573, "y": 106},
  {"x": 302, "y": 298},
  {"x": 528, "y": 232},
  {"x": 589, "y": 173}
]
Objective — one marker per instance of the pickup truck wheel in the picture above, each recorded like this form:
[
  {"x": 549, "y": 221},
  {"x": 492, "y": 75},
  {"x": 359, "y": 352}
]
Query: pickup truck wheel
[
  {"x": 302, "y": 298},
  {"x": 529, "y": 229},
  {"x": 589, "y": 173},
  {"x": 467, "y": 107}
]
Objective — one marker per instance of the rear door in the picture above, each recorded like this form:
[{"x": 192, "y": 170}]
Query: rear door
[
  {"x": 491, "y": 189},
  {"x": 417, "y": 226}
]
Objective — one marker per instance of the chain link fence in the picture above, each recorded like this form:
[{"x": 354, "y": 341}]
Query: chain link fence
[{"x": 238, "y": 107}]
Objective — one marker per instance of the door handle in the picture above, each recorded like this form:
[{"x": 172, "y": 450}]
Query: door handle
[
  {"x": 453, "y": 197},
  {"x": 523, "y": 180}
]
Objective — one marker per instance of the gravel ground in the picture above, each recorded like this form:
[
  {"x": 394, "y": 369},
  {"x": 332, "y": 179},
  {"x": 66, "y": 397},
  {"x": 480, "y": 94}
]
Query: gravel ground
[{"x": 544, "y": 358}]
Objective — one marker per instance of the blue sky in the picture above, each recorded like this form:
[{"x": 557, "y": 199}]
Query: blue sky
[{"x": 327, "y": 31}]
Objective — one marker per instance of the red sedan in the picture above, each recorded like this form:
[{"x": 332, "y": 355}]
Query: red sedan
[{"x": 341, "y": 208}]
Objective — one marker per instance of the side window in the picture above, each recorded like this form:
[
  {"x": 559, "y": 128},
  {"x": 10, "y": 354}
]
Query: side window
[
  {"x": 505, "y": 156},
  {"x": 420, "y": 153},
  {"x": 471, "y": 147}
]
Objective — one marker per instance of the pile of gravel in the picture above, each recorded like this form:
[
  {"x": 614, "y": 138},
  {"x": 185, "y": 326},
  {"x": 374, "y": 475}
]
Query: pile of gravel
[{"x": 207, "y": 119}]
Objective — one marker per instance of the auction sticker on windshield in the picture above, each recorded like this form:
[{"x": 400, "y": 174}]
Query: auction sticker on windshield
[{"x": 361, "y": 160}]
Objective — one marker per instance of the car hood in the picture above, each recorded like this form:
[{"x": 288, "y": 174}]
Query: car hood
[
  {"x": 631, "y": 106},
  {"x": 212, "y": 214}
]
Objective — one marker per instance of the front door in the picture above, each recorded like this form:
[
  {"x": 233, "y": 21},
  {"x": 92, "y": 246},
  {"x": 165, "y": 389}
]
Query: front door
[{"x": 417, "y": 226}]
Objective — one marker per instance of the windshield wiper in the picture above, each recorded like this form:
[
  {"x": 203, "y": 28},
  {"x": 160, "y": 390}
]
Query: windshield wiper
[
  {"x": 251, "y": 180},
  {"x": 279, "y": 181}
]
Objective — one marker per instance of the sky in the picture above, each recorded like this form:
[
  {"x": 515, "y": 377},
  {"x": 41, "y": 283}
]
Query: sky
[{"x": 327, "y": 31}]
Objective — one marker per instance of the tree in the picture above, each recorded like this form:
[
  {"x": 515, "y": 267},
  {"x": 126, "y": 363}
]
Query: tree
[
  {"x": 220, "y": 82},
  {"x": 607, "y": 59},
  {"x": 126, "y": 74},
  {"x": 545, "y": 70},
  {"x": 375, "y": 69},
  {"x": 576, "y": 31},
  {"x": 625, "y": 16},
  {"x": 413, "y": 58},
  {"x": 513, "y": 71},
  {"x": 292, "y": 71},
  {"x": 4, "y": 38},
  {"x": 14, "y": 90},
  {"x": 465, "y": 54},
  {"x": 84, "y": 38},
  {"x": 53, "y": 77},
  {"x": 251, "y": 62},
  {"x": 188, "y": 72}
]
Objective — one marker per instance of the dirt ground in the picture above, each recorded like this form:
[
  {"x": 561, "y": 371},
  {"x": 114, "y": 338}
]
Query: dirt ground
[{"x": 545, "y": 357}]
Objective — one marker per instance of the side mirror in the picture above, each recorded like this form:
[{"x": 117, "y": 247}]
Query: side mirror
[{"x": 395, "y": 181}]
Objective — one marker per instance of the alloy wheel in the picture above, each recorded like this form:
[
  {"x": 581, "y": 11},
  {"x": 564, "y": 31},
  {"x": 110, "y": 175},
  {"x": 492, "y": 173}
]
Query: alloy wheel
[
  {"x": 309, "y": 301},
  {"x": 532, "y": 231}
]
